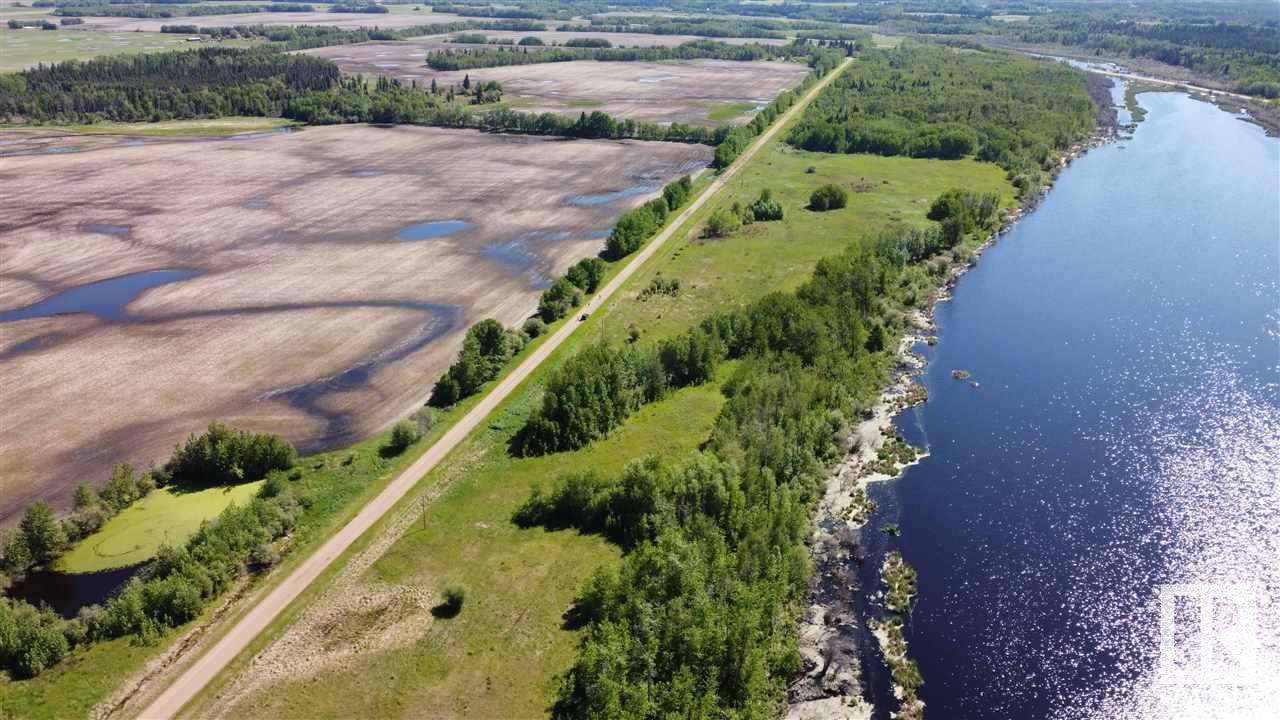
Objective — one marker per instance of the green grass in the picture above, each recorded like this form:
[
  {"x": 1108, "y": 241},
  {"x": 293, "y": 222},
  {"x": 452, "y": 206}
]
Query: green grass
[
  {"x": 498, "y": 658},
  {"x": 764, "y": 257},
  {"x": 214, "y": 127},
  {"x": 342, "y": 482},
  {"x": 725, "y": 112},
  {"x": 165, "y": 517},
  {"x": 21, "y": 49}
]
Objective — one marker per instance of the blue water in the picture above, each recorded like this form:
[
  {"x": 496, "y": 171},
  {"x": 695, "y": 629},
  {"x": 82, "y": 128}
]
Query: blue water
[
  {"x": 107, "y": 229},
  {"x": 1125, "y": 434},
  {"x": 518, "y": 256},
  {"x": 606, "y": 198},
  {"x": 108, "y": 299},
  {"x": 433, "y": 229}
]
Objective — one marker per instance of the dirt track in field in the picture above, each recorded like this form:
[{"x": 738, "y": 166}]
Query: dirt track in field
[
  {"x": 676, "y": 91},
  {"x": 305, "y": 316}
]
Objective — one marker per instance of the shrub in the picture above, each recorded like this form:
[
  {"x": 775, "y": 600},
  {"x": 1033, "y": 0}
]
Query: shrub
[
  {"x": 425, "y": 419},
  {"x": 275, "y": 484},
  {"x": 263, "y": 557},
  {"x": 586, "y": 274},
  {"x": 558, "y": 300},
  {"x": 171, "y": 601},
  {"x": 121, "y": 490},
  {"x": 403, "y": 434},
  {"x": 828, "y": 197},
  {"x": 531, "y": 40},
  {"x": 485, "y": 351},
  {"x": 31, "y": 640},
  {"x": 677, "y": 192},
  {"x": 722, "y": 223},
  {"x": 85, "y": 497},
  {"x": 660, "y": 286},
  {"x": 454, "y": 597},
  {"x": 42, "y": 534},
  {"x": 534, "y": 327},
  {"x": 588, "y": 43},
  {"x": 765, "y": 208}
]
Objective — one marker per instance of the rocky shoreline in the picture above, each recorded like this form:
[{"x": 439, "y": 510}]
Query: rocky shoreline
[{"x": 830, "y": 686}]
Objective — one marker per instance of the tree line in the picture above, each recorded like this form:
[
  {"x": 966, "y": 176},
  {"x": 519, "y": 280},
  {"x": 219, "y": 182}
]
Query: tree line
[
  {"x": 934, "y": 102},
  {"x": 471, "y": 58},
  {"x": 304, "y": 37},
  {"x": 208, "y": 82},
  {"x": 168, "y": 11},
  {"x": 264, "y": 82},
  {"x": 823, "y": 59},
  {"x": 488, "y": 347},
  {"x": 702, "y": 26},
  {"x": 699, "y": 621}
]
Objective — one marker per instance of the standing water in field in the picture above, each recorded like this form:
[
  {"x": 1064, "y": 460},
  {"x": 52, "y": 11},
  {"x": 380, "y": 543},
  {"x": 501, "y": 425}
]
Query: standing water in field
[
  {"x": 1124, "y": 437},
  {"x": 108, "y": 299}
]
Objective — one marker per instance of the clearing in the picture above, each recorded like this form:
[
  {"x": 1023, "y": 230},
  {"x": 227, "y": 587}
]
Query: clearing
[
  {"x": 21, "y": 49},
  {"x": 151, "y": 286}
]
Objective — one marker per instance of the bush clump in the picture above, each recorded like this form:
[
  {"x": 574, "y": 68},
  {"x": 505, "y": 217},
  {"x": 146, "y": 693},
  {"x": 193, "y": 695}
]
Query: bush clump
[
  {"x": 485, "y": 351},
  {"x": 403, "y": 434},
  {"x": 224, "y": 455},
  {"x": 828, "y": 197}
]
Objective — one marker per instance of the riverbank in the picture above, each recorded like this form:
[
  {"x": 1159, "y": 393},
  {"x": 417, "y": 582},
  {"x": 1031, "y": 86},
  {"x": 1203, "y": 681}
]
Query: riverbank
[
  {"x": 831, "y": 686},
  {"x": 1259, "y": 111},
  {"x": 1113, "y": 315}
]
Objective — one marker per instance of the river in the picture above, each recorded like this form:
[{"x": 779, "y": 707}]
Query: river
[{"x": 1124, "y": 435}]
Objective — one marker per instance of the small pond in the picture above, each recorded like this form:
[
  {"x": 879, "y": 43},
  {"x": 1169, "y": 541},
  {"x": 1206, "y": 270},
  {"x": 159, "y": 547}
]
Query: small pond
[
  {"x": 106, "y": 298},
  {"x": 433, "y": 229}
]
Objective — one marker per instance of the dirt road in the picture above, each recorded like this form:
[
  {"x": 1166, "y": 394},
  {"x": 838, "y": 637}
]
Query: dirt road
[{"x": 186, "y": 686}]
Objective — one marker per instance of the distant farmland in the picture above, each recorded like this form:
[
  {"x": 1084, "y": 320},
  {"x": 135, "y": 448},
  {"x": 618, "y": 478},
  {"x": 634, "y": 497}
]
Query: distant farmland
[
  {"x": 311, "y": 283},
  {"x": 685, "y": 91}
]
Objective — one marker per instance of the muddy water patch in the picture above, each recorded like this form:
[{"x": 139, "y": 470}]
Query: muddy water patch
[
  {"x": 612, "y": 197},
  {"x": 108, "y": 299},
  {"x": 308, "y": 396},
  {"x": 366, "y": 173},
  {"x": 519, "y": 258},
  {"x": 433, "y": 229},
  {"x": 650, "y": 79},
  {"x": 259, "y": 134},
  {"x": 255, "y": 204},
  {"x": 66, "y": 593},
  {"x": 107, "y": 229}
]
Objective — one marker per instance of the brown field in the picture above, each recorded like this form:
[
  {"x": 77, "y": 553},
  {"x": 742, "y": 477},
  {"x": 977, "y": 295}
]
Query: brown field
[
  {"x": 306, "y": 317},
  {"x": 675, "y": 91},
  {"x": 343, "y": 20}
]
